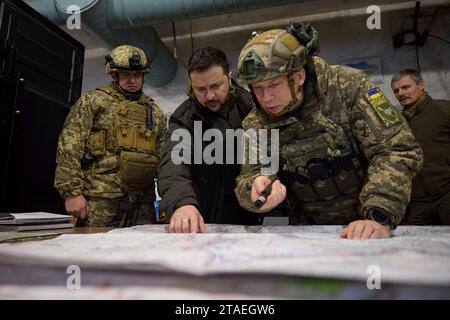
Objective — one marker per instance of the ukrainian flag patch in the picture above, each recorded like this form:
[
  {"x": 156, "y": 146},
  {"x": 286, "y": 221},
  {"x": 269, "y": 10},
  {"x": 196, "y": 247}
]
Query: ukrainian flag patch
[{"x": 387, "y": 113}]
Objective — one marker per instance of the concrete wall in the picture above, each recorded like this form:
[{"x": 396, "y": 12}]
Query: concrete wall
[{"x": 342, "y": 38}]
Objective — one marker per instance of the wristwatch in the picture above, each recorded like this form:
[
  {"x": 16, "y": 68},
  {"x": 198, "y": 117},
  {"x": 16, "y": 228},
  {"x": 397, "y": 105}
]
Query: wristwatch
[{"x": 377, "y": 215}]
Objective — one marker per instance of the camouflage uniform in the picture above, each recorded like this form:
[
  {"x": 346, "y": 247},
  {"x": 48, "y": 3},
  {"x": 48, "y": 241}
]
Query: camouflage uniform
[
  {"x": 342, "y": 151},
  {"x": 108, "y": 151}
]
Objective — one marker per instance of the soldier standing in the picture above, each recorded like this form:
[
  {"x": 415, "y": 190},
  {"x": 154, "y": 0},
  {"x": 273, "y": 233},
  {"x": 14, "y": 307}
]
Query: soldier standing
[
  {"x": 429, "y": 120},
  {"x": 346, "y": 155},
  {"x": 108, "y": 149}
]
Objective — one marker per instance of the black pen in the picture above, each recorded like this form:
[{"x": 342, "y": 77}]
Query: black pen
[{"x": 264, "y": 195}]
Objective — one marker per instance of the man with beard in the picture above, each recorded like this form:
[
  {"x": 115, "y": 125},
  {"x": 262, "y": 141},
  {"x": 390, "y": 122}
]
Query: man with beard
[{"x": 197, "y": 193}]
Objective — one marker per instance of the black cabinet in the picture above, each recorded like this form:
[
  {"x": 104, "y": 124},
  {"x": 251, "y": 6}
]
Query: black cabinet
[{"x": 40, "y": 79}]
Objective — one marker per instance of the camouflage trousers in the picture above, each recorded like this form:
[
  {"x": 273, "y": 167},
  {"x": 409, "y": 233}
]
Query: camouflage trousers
[
  {"x": 436, "y": 212},
  {"x": 119, "y": 212}
]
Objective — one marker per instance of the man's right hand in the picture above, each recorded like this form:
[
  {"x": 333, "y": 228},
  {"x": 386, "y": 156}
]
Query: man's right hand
[
  {"x": 276, "y": 197},
  {"x": 187, "y": 219},
  {"x": 77, "y": 206}
]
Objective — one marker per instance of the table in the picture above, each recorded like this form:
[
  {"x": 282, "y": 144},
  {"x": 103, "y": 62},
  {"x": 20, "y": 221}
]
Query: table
[{"x": 229, "y": 262}]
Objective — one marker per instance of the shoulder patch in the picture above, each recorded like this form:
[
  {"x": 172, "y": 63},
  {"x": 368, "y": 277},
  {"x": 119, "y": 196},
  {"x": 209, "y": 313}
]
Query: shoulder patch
[{"x": 387, "y": 113}]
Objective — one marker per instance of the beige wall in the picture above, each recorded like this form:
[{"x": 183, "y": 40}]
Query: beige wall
[{"x": 342, "y": 39}]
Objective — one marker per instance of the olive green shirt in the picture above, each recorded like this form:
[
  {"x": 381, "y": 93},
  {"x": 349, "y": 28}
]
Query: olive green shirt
[{"x": 429, "y": 120}]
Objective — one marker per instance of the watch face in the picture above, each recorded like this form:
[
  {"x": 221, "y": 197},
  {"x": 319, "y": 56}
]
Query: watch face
[{"x": 378, "y": 216}]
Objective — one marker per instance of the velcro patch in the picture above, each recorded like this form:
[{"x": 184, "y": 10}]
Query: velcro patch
[{"x": 387, "y": 113}]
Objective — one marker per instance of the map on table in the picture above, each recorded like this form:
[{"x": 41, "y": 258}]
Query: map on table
[{"x": 414, "y": 255}]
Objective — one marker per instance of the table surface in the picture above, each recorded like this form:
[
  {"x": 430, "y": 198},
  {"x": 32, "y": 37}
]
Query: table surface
[{"x": 228, "y": 262}]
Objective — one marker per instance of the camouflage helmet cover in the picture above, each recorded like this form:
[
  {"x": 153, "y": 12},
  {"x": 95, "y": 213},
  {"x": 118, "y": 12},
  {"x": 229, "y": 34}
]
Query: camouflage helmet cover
[
  {"x": 126, "y": 58},
  {"x": 269, "y": 55}
]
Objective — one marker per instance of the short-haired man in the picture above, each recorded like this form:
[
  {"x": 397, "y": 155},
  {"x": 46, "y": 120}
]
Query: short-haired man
[
  {"x": 196, "y": 192},
  {"x": 429, "y": 120},
  {"x": 346, "y": 155}
]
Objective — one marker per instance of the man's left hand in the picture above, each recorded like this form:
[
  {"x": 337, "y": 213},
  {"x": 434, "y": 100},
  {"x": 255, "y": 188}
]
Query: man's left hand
[{"x": 366, "y": 229}]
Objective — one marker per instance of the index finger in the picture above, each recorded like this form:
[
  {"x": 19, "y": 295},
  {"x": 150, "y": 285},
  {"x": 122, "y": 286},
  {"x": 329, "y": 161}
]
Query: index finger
[
  {"x": 350, "y": 229},
  {"x": 194, "y": 224},
  {"x": 202, "y": 225},
  {"x": 261, "y": 183},
  {"x": 256, "y": 191},
  {"x": 276, "y": 196},
  {"x": 172, "y": 225}
]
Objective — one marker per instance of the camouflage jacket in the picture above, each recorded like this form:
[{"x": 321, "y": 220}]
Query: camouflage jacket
[
  {"x": 75, "y": 173},
  {"x": 380, "y": 134}
]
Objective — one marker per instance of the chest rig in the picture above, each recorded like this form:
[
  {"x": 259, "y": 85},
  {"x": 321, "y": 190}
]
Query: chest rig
[
  {"x": 322, "y": 168},
  {"x": 123, "y": 140}
]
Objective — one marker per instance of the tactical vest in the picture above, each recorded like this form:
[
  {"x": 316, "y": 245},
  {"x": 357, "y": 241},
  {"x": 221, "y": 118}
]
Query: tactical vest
[
  {"x": 123, "y": 139},
  {"x": 322, "y": 168}
]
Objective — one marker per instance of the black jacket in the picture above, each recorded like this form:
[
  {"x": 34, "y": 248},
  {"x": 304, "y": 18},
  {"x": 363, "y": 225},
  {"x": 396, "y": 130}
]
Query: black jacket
[{"x": 209, "y": 187}]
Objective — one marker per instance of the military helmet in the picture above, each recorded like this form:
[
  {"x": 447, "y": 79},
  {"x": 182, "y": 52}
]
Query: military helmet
[
  {"x": 277, "y": 52},
  {"x": 269, "y": 55},
  {"x": 127, "y": 58}
]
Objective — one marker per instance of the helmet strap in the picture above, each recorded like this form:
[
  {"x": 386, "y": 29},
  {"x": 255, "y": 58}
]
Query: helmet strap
[{"x": 294, "y": 99}]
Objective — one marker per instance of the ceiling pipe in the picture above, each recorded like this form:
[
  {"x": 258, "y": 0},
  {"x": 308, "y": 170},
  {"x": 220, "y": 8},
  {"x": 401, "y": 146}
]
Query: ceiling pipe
[{"x": 129, "y": 22}]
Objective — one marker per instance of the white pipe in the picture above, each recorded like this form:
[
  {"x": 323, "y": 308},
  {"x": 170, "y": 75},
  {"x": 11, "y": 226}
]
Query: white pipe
[{"x": 306, "y": 18}]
